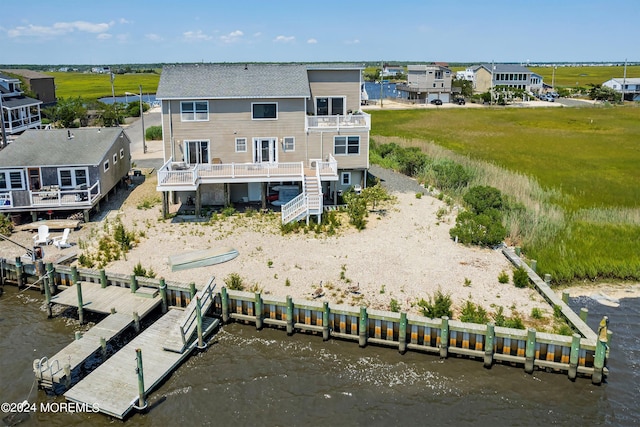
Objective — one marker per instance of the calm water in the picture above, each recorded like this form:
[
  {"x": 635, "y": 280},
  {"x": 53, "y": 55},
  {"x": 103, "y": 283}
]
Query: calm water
[
  {"x": 268, "y": 379},
  {"x": 148, "y": 98}
]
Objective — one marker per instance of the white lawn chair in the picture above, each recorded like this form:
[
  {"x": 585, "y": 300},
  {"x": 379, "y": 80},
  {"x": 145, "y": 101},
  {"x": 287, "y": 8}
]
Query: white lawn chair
[
  {"x": 61, "y": 241},
  {"x": 43, "y": 236}
]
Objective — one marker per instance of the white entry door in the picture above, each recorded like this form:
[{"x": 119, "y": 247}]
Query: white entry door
[{"x": 265, "y": 150}]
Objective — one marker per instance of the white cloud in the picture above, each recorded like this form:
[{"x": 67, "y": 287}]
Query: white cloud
[
  {"x": 232, "y": 36},
  {"x": 58, "y": 28},
  {"x": 312, "y": 41},
  {"x": 125, "y": 21},
  {"x": 284, "y": 39},
  {"x": 153, "y": 37},
  {"x": 196, "y": 36},
  {"x": 354, "y": 41}
]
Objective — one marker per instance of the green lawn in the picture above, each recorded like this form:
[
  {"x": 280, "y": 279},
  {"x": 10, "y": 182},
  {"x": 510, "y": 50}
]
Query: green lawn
[
  {"x": 588, "y": 159},
  {"x": 93, "y": 86}
]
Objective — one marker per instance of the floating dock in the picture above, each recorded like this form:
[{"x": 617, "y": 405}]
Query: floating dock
[
  {"x": 114, "y": 387},
  {"x": 62, "y": 369}
]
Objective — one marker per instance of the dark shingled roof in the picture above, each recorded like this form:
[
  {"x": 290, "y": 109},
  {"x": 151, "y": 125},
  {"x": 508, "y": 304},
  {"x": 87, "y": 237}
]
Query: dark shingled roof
[
  {"x": 507, "y": 68},
  {"x": 210, "y": 81},
  {"x": 22, "y": 101},
  {"x": 54, "y": 148}
]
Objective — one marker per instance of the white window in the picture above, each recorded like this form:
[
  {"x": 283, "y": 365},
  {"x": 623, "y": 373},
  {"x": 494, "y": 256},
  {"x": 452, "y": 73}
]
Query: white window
[
  {"x": 330, "y": 106},
  {"x": 346, "y": 145},
  {"x": 115, "y": 159},
  {"x": 289, "y": 143},
  {"x": 73, "y": 177},
  {"x": 345, "y": 178},
  {"x": 241, "y": 145},
  {"x": 264, "y": 110},
  {"x": 122, "y": 153},
  {"x": 106, "y": 165},
  {"x": 11, "y": 180},
  {"x": 196, "y": 152},
  {"x": 194, "y": 111}
]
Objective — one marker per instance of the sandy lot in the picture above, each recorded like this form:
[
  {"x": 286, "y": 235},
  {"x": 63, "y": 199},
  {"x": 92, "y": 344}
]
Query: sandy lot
[{"x": 405, "y": 253}]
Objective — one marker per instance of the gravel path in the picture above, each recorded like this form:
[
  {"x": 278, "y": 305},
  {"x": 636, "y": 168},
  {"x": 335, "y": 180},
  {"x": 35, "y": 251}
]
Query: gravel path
[{"x": 396, "y": 182}]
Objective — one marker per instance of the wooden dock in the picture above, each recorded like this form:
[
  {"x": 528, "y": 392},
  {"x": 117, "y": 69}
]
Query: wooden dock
[
  {"x": 62, "y": 369},
  {"x": 101, "y": 300},
  {"x": 113, "y": 387}
]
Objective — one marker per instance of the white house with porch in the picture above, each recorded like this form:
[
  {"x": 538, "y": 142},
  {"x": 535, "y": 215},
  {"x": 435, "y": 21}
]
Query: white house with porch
[{"x": 19, "y": 112}]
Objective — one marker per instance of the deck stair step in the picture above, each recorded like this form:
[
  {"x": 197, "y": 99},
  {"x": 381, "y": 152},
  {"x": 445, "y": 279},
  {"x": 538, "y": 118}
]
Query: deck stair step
[{"x": 147, "y": 292}]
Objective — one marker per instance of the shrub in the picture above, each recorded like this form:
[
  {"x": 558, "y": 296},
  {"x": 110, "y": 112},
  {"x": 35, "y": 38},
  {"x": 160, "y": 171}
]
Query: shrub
[
  {"x": 536, "y": 313},
  {"x": 520, "y": 277},
  {"x": 394, "y": 305},
  {"x": 473, "y": 313},
  {"x": 234, "y": 282},
  {"x": 356, "y": 209},
  {"x": 153, "y": 133},
  {"x": 6, "y": 226},
  {"x": 481, "y": 198},
  {"x": 503, "y": 277},
  {"x": 437, "y": 305},
  {"x": 449, "y": 175},
  {"x": 479, "y": 229}
]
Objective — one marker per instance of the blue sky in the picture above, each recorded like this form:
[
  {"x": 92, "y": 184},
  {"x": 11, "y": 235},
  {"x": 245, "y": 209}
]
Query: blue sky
[{"x": 142, "y": 31}]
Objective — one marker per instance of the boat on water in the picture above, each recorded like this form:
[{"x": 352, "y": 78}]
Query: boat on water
[{"x": 201, "y": 258}]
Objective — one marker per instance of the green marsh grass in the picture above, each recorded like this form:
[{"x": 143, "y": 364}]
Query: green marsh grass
[
  {"x": 92, "y": 86},
  {"x": 573, "y": 171}
]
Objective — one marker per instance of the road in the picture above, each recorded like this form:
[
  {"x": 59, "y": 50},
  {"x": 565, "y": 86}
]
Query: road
[{"x": 154, "y": 157}]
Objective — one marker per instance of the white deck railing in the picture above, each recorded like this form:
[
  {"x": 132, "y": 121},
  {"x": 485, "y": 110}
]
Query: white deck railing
[
  {"x": 6, "y": 200},
  {"x": 69, "y": 197},
  {"x": 177, "y": 173},
  {"x": 349, "y": 121}
]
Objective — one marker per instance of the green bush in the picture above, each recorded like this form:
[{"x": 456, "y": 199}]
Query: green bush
[
  {"x": 503, "y": 277},
  {"x": 449, "y": 175},
  {"x": 394, "y": 305},
  {"x": 473, "y": 313},
  {"x": 437, "y": 305},
  {"x": 356, "y": 209},
  {"x": 520, "y": 277},
  {"x": 234, "y": 282},
  {"x": 153, "y": 133},
  {"x": 536, "y": 313},
  {"x": 482, "y": 198},
  {"x": 483, "y": 229},
  {"x": 6, "y": 225}
]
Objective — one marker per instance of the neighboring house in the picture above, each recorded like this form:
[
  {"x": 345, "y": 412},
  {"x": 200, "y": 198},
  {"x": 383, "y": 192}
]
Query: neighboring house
[
  {"x": 62, "y": 170},
  {"x": 630, "y": 87},
  {"x": 487, "y": 76},
  {"x": 239, "y": 133},
  {"x": 426, "y": 83},
  {"x": 391, "y": 70},
  {"x": 19, "y": 112},
  {"x": 40, "y": 84},
  {"x": 101, "y": 70}
]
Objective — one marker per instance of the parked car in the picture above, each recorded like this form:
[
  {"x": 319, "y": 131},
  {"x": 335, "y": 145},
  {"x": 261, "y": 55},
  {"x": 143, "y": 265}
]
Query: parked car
[
  {"x": 547, "y": 97},
  {"x": 436, "y": 101},
  {"x": 459, "y": 101}
]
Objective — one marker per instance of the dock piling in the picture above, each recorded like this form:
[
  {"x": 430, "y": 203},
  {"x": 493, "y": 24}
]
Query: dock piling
[
  {"x": 133, "y": 284},
  {"x": 19, "y": 273},
  {"x": 363, "y": 332},
  {"x": 224, "y": 297},
  {"x": 51, "y": 281},
  {"x": 103, "y": 278},
  {"x": 598, "y": 362},
  {"x": 530, "y": 351},
  {"x": 80, "y": 304},
  {"x": 325, "y": 321},
  {"x": 289, "y": 315},
  {"x": 192, "y": 289},
  {"x": 565, "y": 297},
  {"x": 584, "y": 313},
  {"x": 574, "y": 357},
  {"x": 489, "y": 345},
  {"x": 45, "y": 286},
  {"x": 136, "y": 321},
  {"x": 67, "y": 375},
  {"x": 103, "y": 347},
  {"x": 258, "y": 311},
  {"x": 402, "y": 334},
  {"x": 78, "y": 335},
  {"x": 444, "y": 337},
  {"x": 142, "y": 402},
  {"x": 201, "y": 344},
  {"x": 163, "y": 295}
]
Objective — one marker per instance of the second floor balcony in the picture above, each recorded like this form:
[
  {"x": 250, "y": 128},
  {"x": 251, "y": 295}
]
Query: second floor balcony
[{"x": 359, "y": 121}]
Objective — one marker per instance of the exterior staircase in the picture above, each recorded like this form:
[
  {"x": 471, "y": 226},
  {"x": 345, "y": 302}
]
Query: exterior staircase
[{"x": 307, "y": 203}]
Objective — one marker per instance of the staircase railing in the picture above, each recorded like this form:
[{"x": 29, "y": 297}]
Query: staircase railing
[{"x": 294, "y": 208}]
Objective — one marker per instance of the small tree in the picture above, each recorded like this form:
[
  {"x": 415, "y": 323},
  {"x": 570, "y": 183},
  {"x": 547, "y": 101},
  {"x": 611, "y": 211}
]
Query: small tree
[
  {"x": 374, "y": 195},
  {"x": 6, "y": 226},
  {"x": 520, "y": 277},
  {"x": 437, "y": 305},
  {"x": 356, "y": 209}
]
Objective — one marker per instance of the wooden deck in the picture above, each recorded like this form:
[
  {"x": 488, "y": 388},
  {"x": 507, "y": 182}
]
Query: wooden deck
[
  {"x": 101, "y": 300},
  {"x": 51, "y": 370},
  {"x": 113, "y": 386}
]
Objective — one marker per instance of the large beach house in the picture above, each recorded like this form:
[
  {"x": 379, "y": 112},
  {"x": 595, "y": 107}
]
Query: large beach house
[{"x": 236, "y": 133}]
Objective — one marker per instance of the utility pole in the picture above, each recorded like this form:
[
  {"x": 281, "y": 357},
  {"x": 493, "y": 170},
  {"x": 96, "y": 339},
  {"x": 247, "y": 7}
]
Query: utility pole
[
  {"x": 4, "y": 133},
  {"x": 381, "y": 70},
  {"x": 624, "y": 79},
  {"x": 144, "y": 141}
]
